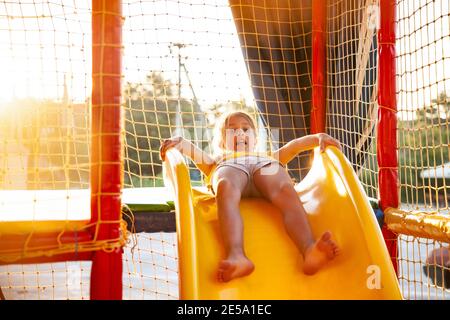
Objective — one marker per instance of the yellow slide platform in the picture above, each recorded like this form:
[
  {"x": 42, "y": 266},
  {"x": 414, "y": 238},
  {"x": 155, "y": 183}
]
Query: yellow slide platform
[{"x": 334, "y": 199}]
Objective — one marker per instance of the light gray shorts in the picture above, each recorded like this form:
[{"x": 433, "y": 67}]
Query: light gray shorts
[{"x": 249, "y": 165}]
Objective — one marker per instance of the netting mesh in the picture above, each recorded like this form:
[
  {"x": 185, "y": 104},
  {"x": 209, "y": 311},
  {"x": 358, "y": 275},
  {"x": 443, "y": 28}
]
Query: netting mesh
[
  {"x": 151, "y": 267},
  {"x": 45, "y": 151},
  {"x": 45, "y": 60},
  {"x": 184, "y": 64},
  {"x": 183, "y": 67},
  {"x": 423, "y": 36},
  {"x": 276, "y": 40},
  {"x": 424, "y": 107},
  {"x": 55, "y": 281},
  {"x": 44, "y": 123},
  {"x": 352, "y": 90},
  {"x": 423, "y": 84}
]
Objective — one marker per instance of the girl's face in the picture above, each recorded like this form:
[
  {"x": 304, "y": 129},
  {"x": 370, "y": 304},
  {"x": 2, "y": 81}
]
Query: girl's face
[{"x": 239, "y": 135}]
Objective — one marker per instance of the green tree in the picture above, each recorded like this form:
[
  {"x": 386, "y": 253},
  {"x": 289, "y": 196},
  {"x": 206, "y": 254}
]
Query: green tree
[
  {"x": 423, "y": 143},
  {"x": 151, "y": 112}
]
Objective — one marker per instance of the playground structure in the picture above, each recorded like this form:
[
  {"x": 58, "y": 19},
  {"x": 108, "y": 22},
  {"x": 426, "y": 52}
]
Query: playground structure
[
  {"x": 370, "y": 73},
  {"x": 333, "y": 199}
]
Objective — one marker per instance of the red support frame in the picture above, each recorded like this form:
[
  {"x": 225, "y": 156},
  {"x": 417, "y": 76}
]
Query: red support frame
[
  {"x": 106, "y": 153},
  {"x": 319, "y": 66},
  {"x": 387, "y": 120},
  {"x": 39, "y": 240}
]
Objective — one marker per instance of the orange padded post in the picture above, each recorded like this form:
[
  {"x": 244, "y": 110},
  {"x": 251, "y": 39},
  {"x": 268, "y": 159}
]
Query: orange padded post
[
  {"x": 106, "y": 157},
  {"x": 387, "y": 120},
  {"x": 319, "y": 66}
]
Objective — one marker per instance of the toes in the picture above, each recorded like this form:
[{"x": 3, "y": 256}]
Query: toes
[
  {"x": 335, "y": 251},
  {"x": 328, "y": 246},
  {"x": 326, "y": 236},
  {"x": 331, "y": 254}
]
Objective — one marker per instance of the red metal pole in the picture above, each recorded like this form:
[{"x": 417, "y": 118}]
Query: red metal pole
[
  {"x": 387, "y": 119},
  {"x": 319, "y": 66},
  {"x": 106, "y": 154}
]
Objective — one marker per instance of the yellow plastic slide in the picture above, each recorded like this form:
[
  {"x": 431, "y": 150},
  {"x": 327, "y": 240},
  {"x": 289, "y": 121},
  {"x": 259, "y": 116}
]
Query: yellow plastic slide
[{"x": 334, "y": 199}]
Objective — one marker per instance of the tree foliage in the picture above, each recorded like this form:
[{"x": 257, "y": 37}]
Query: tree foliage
[
  {"x": 423, "y": 143},
  {"x": 151, "y": 112}
]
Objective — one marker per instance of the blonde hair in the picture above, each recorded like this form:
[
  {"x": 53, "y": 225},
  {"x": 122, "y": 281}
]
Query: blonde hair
[{"x": 221, "y": 125}]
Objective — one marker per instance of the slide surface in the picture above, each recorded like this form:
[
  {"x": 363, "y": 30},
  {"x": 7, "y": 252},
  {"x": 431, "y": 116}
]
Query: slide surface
[{"x": 334, "y": 200}]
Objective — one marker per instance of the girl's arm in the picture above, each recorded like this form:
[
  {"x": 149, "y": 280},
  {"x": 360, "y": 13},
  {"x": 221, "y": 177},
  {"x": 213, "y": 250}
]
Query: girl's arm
[
  {"x": 203, "y": 161},
  {"x": 287, "y": 152}
]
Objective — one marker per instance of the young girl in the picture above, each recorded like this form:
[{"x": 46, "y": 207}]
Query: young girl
[{"x": 240, "y": 172}]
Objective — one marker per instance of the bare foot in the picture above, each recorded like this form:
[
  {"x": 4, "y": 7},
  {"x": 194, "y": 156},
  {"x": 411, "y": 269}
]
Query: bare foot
[
  {"x": 234, "y": 268},
  {"x": 318, "y": 254}
]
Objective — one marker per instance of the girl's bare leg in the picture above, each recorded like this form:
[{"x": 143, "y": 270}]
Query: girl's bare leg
[
  {"x": 229, "y": 184},
  {"x": 276, "y": 186}
]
